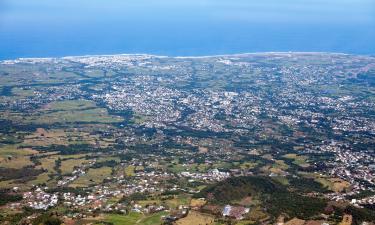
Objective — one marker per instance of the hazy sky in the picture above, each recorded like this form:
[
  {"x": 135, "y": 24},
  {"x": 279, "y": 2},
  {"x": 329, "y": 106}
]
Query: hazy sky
[
  {"x": 295, "y": 11},
  {"x": 56, "y": 27}
]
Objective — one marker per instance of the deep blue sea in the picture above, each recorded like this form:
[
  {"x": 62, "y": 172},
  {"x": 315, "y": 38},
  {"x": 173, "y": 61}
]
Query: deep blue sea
[{"x": 50, "y": 28}]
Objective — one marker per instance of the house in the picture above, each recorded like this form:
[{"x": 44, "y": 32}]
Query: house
[
  {"x": 226, "y": 210},
  {"x": 236, "y": 212}
]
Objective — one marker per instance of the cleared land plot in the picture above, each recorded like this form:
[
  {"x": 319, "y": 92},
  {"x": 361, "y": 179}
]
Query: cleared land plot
[
  {"x": 42, "y": 179},
  {"x": 48, "y": 163},
  {"x": 178, "y": 200},
  {"x": 333, "y": 184},
  {"x": 129, "y": 171},
  {"x": 43, "y": 137},
  {"x": 93, "y": 176},
  {"x": 13, "y": 157},
  {"x": 299, "y": 160},
  {"x": 196, "y": 218},
  {"x": 135, "y": 218},
  {"x": 23, "y": 92},
  {"x": 197, "y": 202},
  {"x": 154, "y": 219},
  {"x": 116, "y": 219},
  {"x": 278, "y": 167},
  {"x": 67, "y": 166},
  {"x": 73, "y": 111}
]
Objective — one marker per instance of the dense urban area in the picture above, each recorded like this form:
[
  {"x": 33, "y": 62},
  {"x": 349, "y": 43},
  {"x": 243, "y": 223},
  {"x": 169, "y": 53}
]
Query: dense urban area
[{"x": 268, "y": 138}]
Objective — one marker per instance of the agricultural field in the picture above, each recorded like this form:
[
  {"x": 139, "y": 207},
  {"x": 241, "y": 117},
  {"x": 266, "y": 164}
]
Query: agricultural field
[
  {"x": 15, "y": 157},
  {"x": 135, "y": 218},
  {"x": 92, "y": 177},
  {"x": 196, "y": 218},
  {"x": 73, "y": 112},
  {"x": 67, "y": 166},
  {"x": 298, "y": 159},
  {"x": 131, "y": 218}
]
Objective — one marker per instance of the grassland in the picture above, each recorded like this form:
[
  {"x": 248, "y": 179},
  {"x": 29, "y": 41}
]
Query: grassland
[
  {"x": 279, "y": 167},
  {"x": 70, "y": 111},
  {"x": 139, "y": 119},
  {"x": 248, "y": 165},
  {"x": 16, "y": 75},
  {"x": 48, "y": 163},
  {"x": 22, "y": 92},
  {"x": 42, "y": 179},
  {"x": 67, "y": 166},
  {"x": 116, "y": 219},
  {"x": 13, "y": 157},
  {"x": 94, "y": 73},
  {"x": 135, "y": 218},
  {"x": 333, "y": 184},
  {"x": 93, "y": 176},
  {"x": 65, "y": 112},
  {"x": 176, "y": 167},
  {"x": 129, "y": 171},
  {"x": 299, "y": 160},
  {"x": 178, "y": 200},
  {"x": 43, "y": 137},
  {"x": 257, "y": 214},
  {"x": 75, "y": 111},
  {"x": 195, "y": 217},
  {"x": 154, "y": 219},
  {"x": 66, "y": 136},
  {"x": 197, "y": 202}
]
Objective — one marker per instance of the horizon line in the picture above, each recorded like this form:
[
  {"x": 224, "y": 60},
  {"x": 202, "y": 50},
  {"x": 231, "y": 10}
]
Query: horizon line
[{"x": 186, "y": 57}]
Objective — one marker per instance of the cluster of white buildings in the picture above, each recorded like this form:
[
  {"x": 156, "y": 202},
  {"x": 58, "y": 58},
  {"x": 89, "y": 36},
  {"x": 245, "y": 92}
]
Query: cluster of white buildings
[
  {"x": 39, "y": 199},
  {"x": 212, "y": 175}
]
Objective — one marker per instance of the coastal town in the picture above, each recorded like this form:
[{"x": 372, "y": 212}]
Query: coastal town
[{"x": 97, "y": 139}]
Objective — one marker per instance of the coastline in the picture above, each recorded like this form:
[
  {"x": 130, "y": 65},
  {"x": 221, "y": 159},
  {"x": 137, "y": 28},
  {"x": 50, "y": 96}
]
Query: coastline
[{"x": 184, "y": 57}]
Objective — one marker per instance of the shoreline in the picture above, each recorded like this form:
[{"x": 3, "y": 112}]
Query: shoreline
[{"x": 184, "y": 57}]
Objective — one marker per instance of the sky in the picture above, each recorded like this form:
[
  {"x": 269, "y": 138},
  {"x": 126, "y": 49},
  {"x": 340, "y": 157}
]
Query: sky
[{"x": 41, "y": 28}]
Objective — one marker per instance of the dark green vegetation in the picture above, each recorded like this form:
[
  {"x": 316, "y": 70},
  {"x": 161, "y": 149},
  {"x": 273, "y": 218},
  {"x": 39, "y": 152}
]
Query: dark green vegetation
[
  {"x": 6, "y": 198},
  {"x": 21, "y": 175},
  {"x": 275, "y": 198},
  {"x": 47, "y": 219}
]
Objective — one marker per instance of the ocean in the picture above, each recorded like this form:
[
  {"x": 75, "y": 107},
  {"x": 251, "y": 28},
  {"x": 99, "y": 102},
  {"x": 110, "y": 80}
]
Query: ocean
[{"x": 53, "y": 28}]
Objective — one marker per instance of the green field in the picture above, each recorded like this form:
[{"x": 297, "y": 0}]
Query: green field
[
  {"x": 13, "y": 157},
  {"x": 297, "y": 159},
  {"x": 74, "y": 111},
  {"x": 93, "y": 176},
  {"x": 131, "y": 218}
]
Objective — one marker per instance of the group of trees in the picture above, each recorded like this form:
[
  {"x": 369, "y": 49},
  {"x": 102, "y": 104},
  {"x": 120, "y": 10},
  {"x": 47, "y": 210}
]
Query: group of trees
[
  {"x": 275, "y": 197},
  {"x": 5, "y": 197},
  {"x": 23, "y": 174}
]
